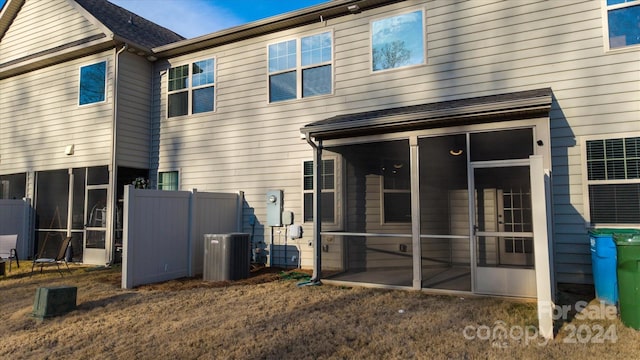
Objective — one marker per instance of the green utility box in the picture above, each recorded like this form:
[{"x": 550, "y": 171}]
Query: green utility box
[
  {"x": 628, "y": 248},
  {"x": 54, "y": 301}
]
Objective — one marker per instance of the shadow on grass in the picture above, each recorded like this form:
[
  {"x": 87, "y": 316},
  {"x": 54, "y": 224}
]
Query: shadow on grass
[
  {"x": 567, "y": 297},
  {"x": 100, "y": 303}
]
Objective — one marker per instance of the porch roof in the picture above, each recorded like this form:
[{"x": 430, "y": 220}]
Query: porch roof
[{"x": 483, "y": 109}]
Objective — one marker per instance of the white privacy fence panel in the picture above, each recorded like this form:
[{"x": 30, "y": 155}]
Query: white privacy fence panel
[
  {"x": 214, "y": 213},
  {"x": 16, "y": 217},
  {"x": 163, "y": 232}
]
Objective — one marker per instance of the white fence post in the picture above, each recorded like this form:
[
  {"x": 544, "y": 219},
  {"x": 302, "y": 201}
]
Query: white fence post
[{"x": 193, "y": 229}]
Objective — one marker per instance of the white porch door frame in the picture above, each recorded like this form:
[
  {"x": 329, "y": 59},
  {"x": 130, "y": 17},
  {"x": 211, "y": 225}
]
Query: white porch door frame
[
  {"x": 96, "y": 255},
  {"x": 507, "y": 281},
  {"x": 540, "y": 275}
]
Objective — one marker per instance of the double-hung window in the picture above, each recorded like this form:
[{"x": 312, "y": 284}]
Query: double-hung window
[
  {"x": 328, "y": 190},
  {"x": 300, "y": 68},
  {"x": 613, "y": 180},
  {"x": 396, "y": 191},
  {"x": 398, "y": 41},
  {"x": 93, "y": 81},
  {"x": 623, "y": 23},
  {"x": 191, "y": 88}
]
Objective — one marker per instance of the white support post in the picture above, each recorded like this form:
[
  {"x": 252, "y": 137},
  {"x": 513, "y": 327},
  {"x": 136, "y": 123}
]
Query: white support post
[
  {"x": 193, "y": 230},
  {"x": 541, "y": 247},
  {"x": 415, "y": 213}
]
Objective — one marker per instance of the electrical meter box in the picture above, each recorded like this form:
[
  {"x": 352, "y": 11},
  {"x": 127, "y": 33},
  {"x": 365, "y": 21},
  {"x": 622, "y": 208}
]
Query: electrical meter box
[{"x": 274, "y": 208}]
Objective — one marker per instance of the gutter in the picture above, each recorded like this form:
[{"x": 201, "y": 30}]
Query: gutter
[{"x": 309, "y": 15}]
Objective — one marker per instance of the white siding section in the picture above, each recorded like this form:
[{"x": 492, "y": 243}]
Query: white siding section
[
  {"x": 42, "y": 25},
  {"x": 40, "y": 116},
  {"x": 474, "y": 48},
  {"x": 134, "y": 111}
]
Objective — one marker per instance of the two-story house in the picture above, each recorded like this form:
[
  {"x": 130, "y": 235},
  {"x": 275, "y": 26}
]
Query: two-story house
[
  {"x": 75, "y": 98},
  {"x": 446, "y": 145}
]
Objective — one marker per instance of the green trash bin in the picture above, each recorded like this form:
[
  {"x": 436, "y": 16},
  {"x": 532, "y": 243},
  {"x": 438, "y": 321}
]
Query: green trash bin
[{"x": 628, "y": 249}]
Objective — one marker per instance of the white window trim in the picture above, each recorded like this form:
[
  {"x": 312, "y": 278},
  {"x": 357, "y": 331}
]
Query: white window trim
[
  {"x": 424, "y": 39},
  {"x": 160, "y": 171},
  {"x": 299, "y": 68},
  {"x": 605, "y": 24},
  {"x": 190, "y": 88},
  {"x": 106, "y": 80},
  {"x": 337, "y": 191},
  {"x": 585, "y": 177}
]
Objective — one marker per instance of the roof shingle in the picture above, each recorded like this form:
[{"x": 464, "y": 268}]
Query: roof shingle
[{"x": 128, "y": 25}]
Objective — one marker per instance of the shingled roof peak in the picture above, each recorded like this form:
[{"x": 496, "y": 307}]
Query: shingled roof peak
[{"x": 128, "y": 25}]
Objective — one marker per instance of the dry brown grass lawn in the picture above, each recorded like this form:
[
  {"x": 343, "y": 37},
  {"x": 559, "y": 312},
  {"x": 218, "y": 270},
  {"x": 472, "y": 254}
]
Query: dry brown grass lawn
[{"x": 268, "y": 317}]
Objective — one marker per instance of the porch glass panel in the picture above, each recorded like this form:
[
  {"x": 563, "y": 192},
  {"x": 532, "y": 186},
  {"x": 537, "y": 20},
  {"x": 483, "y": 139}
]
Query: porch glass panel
[
  {"x": 52, "y": 201},
  {"x": 504, "y": 217},
  {"x": 375, "y": 246},
  {"x": 444, "y": 213},
  {"x": 77, "y": 224},
  {"x": 368, "y": 258},
  {"x": 502, "y": 145}
]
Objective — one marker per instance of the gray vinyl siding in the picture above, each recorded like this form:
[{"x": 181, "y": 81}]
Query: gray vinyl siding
[
  {"x": 42, "y": 25},
  {"x": 134, "y": 111},
  {"x": 40, "y": 116},
  {"x": 474, "y": 48}
]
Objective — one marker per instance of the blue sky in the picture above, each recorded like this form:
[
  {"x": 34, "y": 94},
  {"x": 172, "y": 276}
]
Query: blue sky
[{"x": 191, "y": 18}]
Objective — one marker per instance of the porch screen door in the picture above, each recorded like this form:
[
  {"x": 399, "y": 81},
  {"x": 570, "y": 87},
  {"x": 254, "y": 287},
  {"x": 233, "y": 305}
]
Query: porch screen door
[
  {"x": 95, "y": 225},
  {"x": 503, "y": 228}
]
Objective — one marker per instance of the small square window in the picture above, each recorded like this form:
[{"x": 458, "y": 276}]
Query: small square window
[
  {"x": 398, "y": 41},
  {"x": 168, "y": 180}
]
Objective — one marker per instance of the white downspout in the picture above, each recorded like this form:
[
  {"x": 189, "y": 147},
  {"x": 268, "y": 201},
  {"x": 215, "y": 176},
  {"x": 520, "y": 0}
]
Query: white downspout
[
  {"x": 113, "y": 173},
  {"x": 317, "y": 206}
]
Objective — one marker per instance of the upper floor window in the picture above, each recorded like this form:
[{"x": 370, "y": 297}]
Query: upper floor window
[
  {"x": 93, "y": 80},
  {"x": 398, "y": 41},
  {"x": 297, "y": 74},
  {"x": 195, "y": 96},
  {"x": 613, "y": 179},
  {"x": 623, "y": 23}
]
